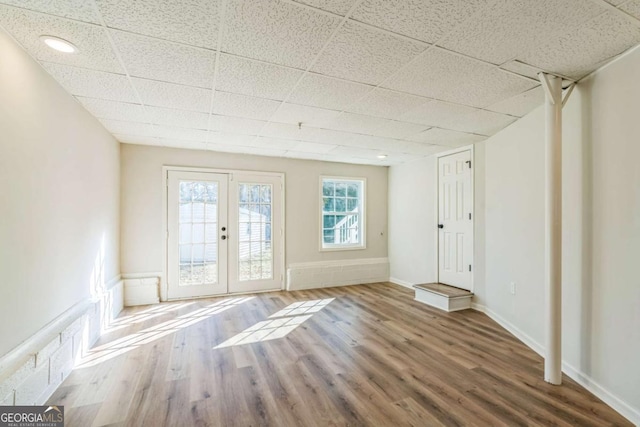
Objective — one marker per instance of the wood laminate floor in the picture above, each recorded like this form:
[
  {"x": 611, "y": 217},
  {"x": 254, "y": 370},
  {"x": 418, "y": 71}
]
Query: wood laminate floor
[{"x": 357, "y": 355}]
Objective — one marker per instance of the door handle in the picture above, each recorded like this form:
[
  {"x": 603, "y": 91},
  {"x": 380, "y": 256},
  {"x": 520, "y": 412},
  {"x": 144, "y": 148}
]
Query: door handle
[
  {"x": 223, "y": 237},
  {"x": 440, "y": 225}
]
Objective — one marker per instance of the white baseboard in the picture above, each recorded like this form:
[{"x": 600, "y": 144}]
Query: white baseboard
[
  {"x": 623, "y": 408},
  {"x": 31, "y": 372},
  {"x": 401, "y": 282},
  {"x": 526, "y": 339},
  {"x": 619, "y": 405},
  {"x": 324, "y": 274}
]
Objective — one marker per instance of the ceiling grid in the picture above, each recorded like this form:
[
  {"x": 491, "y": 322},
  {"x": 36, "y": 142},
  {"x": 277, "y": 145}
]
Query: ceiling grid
[{"x": 404, "y": 78}]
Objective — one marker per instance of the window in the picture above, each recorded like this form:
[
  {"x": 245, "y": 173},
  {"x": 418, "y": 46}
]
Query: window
[{"x": 342, "y": 219}]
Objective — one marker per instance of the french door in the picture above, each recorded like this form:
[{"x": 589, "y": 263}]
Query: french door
[{"x": 224, "y": 233}]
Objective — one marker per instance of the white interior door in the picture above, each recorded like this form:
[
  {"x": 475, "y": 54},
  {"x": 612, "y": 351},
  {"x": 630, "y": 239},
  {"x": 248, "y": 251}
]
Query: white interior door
[
  {"x": 197, "y": 234},
  {"x": 455, "y": 206},
  {"x": 256, "y": 233}
]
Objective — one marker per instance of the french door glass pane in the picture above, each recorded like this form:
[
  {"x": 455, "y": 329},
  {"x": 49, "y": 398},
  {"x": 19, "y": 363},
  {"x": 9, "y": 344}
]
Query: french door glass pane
[
  {"x": 198, "y": 233},
  {"x": 255, "y": 252}
]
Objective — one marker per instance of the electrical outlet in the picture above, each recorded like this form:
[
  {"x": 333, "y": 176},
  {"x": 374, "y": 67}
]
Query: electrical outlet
[{"x": 512, "y": 288}]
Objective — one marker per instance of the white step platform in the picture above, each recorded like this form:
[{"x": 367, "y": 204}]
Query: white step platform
[{"x": 444, "y": 297}]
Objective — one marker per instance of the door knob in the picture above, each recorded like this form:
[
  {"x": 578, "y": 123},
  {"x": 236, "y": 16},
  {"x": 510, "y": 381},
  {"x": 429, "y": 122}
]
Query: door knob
[
  {"x": 440, "y": 225},
  {"x": 223, "y": 237}
]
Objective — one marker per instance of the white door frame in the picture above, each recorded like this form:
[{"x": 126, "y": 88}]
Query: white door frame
[
  {"x": 164, "y": 285},
  {"x": 469, "y": 148}
]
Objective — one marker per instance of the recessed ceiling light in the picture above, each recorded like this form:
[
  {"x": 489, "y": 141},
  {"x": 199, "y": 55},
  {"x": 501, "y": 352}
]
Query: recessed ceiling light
[
  {"x": 382, "y": 156},
  {"x": 59, "y": 44}
]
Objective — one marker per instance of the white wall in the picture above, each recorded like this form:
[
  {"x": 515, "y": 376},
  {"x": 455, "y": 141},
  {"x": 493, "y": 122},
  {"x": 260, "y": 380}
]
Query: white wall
[
  {"x": 413, "y": 222},
  {"x": 601, "y": 230},
  {"x": 601, "y": 235},
  {"x": 59, "y": 204},
  {"x": 142, "y": 187},
  {"x": 514, "y": 209}
]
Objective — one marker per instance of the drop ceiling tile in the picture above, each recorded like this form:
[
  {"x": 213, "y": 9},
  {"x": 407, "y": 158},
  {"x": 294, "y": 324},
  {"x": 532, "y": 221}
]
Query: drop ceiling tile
[
  {"x": 181, "y": 134},
  {"x": 306, "y": 133},
  {"x": 274, "y": 143},
  {"x": 92, "y": 84},
  {"x": 579, "y": 52},
  {"x": 94, "y": 49},
  {"x": 426, "y": 20},
  {"x": 155, "y": 59},
  {"x": 277, "y": 32},
  {"x": 231, "y": 139},
  {"x": 352, "y": 153},
  {"x": 386, "y": 103},
  {"x": 632, "y": 8},
  {"x": 365, "y": 55},
  {"x": 508, "y": 28},
  {"x": 615, "y": 2},
  {"x": 372, "y": 142},
  {"x": 137, "y": 139},
  {"x": 128, "y": 128},
  {"x": 309, "y": 116},
  {"x": 459, "y": 117},
  {"x": 236, "y": 125},
  {"x": 194, "y": 22},
  {"x": 450, "y": 77},
  {"x": 438, "y": 113},
  {"x": 450, "y": 138},
  {"x": 255, "y": 78},
  {"x": 484, "y": 122},
  {"x": 232, "y": 104},
  {"x": 358, "y": 123},
  {"x": 397, "y": 159},
  {"x": 170, "y": 95},
  {"x": 522, "y": 69},
  {"x": 80, "y": 10},
  {"x": 313, "y": 147},
  {"x": 520, "y": 105},
  {"x": 397, "y": 129},
  {"x": 225, "y": 148},
  {"x": 341, "y": 7},
  {"x": 104, "y": 109},
  {"x": 419, "y": 148},
  {"x": 321, "y": 91},
  {"x": 177, "y": 118}
]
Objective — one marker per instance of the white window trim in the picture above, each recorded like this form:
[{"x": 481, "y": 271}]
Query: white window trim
[{"x": 363, "y": 216}]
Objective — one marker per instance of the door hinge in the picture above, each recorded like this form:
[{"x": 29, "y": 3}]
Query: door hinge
[
  {"x": 469, "y": 163},
  {"x": 469, "y": 267}
]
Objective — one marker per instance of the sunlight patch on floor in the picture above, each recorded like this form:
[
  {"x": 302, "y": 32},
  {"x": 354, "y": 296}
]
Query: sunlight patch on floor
[
  {"x": 283, "y": 322},
  {"x": 123, "y": 322},
  {"x": 303, "y": 307},
  {"x": 130, "y": 342}
]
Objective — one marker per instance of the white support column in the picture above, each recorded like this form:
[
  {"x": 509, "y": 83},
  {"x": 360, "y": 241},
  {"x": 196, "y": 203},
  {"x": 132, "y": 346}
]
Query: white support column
[{"x": 553, "y": 228}]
